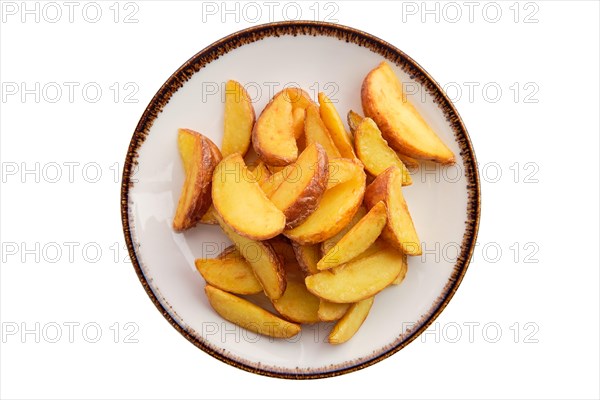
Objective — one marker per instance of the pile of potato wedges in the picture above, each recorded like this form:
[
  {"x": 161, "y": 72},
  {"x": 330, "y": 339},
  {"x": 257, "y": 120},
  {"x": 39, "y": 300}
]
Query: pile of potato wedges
[{"x": 316, "y": 212}]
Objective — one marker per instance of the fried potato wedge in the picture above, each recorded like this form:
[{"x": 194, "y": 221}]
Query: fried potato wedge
[
  {"x": 329, "y": 311},
  {"x": 357, "y": 279},
  {"x": 298, "y": 123},
  {"x": 229, "y": 272},
  {"x": 230, "y": 252},
  {"x": 354, "y": 119},
  {"x": 239, "y": 119},
  {"x": 267, "y": 266},
  {"x": 260, "y": 171},
  {"x": 342, "y": 170},
  {"x": 199, "y": 161},
  {"x": 307, "y": 256},
  {"x": 240, "y": 201},
  {"x": 298, "y": 98},
  {"x": 335, "y": 126},
  {"x": 402, "y": 126},
  {"x": 409, "y": 162},
  {"x": 328, "y": 244},
  {"x": 300, "y": 101},
  {"x": 273, "y": 135},
  {"x": 299, "y": 196},
  {"x": 350, "y": 322},
  {"x": 315, "y": 131},
  {"x": 283, "y": 248},
  {"x": 271, "y": 184},
  {"x": 297, "y": 304},
  {"x": 209, "y": 216},
  {"x": 374, "y": 152},
  {"x": 400, "y": 278},
  {"x": 399, "y": 230},
  {"x": 247, "y": 315},
  {"x": 358, "y": 239},
  {"x": 336, "y": 208}
]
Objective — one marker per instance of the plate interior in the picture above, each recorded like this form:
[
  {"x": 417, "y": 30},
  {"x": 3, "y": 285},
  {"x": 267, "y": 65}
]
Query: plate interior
[{"x": 437, "y": 200}]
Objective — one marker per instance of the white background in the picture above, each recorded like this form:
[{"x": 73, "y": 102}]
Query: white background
[{"x": 542, "y": 293}]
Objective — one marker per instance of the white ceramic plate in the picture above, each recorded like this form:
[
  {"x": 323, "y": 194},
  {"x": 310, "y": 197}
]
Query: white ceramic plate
[{"x": 444, "y": 202}]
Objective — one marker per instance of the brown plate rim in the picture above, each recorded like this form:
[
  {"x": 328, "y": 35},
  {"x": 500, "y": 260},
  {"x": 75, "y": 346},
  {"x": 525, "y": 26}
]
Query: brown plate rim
[{"x": 386, "y": 50}]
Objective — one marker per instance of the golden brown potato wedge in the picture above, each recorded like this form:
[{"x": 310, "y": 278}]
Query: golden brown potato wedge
[
  {"x": 409, "y": 162},
  {"x": 358, "y": 239},
  {"x": 358, "y": 279},
  {"x": 267, "y": 266},
  {"x": 297, "y": 198},
  {"x": 351, "y": 321},
  {"x": 260, "y": 171},
  {"x": 209, "y": 216},
  {"x": 283, "y": 248},
  {"x": 230, "y": 252},
  {"x": 335, "y": 126},
  {"x": 272, "y": 182},
  {"x": 297, "y": 304},
  {"x": 399, "y": 230},
  {"x": 354, "y": 119},
  {"x": 400, "y": 278},
  {"x": 273, "y": 169},
  {"x": 329, "y": 311},
  {"x": 229, "y": 272},
  {"x": 247, "y": 315},
  {"x": 332, "y": 241},
  {"x": 307, "y": 256},
  {"x": 300, "y": 101},
  {"x": 298, "y": 98},
  {"x": 315, "y": 131},
  {"x": 403, "y": 127},
  {"x": 199, "y": 162},
  {"x": 342, "y": 170},
  {"x": 273, "y": 135},
  {"x": 336, "y": 208},
  {"x": 298, "y": 123},
  {"x": 374, "y": 152},
  {"x": 240, "y": 201},
  {"x": 239, "y": 119}
]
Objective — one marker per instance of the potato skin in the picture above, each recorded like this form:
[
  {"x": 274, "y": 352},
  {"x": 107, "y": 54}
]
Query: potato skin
[
  {"x": 211, "y": 156},
  {"x": 206, "y": 162},
  {"x": 217, "y": 156},
  {"x": 308, "y": 201},
  {"x": 370, "y": 111},
  {"x": 303, "y": 256},
  {"x": 439, "y": 153},
  {"x": 376, "y": 192},
  {"x": 332, "y": 225}
]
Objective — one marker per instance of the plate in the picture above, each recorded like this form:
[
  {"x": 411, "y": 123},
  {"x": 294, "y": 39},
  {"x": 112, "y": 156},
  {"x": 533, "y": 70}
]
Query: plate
[{"x": 444, "y": 201}]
